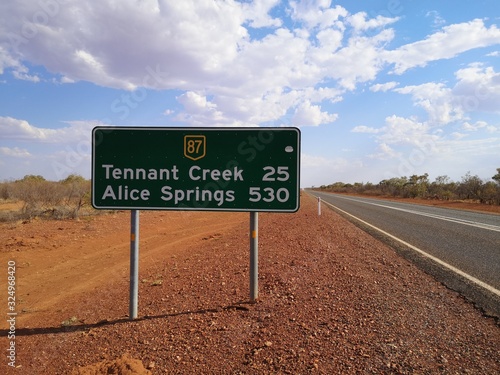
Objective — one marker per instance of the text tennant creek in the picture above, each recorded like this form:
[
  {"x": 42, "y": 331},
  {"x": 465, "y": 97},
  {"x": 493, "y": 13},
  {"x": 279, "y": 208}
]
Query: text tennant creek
[{"x": 219, "y": 179}]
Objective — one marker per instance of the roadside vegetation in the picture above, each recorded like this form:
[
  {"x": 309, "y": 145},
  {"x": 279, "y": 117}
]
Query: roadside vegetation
[
  {"x": 34, "y": 196},
  {"x": 470, "y": 188}
]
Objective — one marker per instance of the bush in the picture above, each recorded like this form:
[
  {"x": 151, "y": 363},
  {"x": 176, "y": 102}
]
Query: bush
[
  {"x": 470, "y": 188},
  {"x": 48, "y": 199}
]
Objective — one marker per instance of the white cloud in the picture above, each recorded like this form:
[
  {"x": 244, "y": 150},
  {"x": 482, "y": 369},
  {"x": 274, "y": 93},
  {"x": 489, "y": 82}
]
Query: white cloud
[
  {"x": 22, "y": 74},
  {"x": 437, "y": 100},
  {"x": 308, "y": 161},
  {"x": 77, "y": 131},
  {"x": 307, "y": 114},
  {"x": 12, "y": 128},
  {"x": 317, "y": 13},
  {"x": 383, "y": 87},
  {"x": 21, "y": 130},
  {"x": 199, "y": 110},
  {"x": 405, "y": 131},
  {"x": 468, "y": 151},
  {"x": 407, "y": 146},
  {"x": 457, "y": 135},
  {"x": 205, "y": 46},
  {"x": 257, "y": 13},
  {"x": 7, "y": 60},
  {"x": 360, "y": 22},
  {"x": 474, "y": 127},
  {"x": 319, "y": 170},
  {"x": 447, "y": 43},
  {"x": 437, "y": 20},
  {"x": 478, "y": 88},
  {"x": 384, "y": 152},
  {"x": 359, "y": 61},
  {"x": 53, "y": 153},
  {"x": 365, "y": 129},
  {"x": 401, "y": 138},
  {"x": 113, "y": 45},
  {"x": 15, "y": 152},
  {"x": 478, "y": 125},
  {"x": 202, "y": 46},
  {"x": 330, "y": 40},
  {"x": 195, "y": 102}
]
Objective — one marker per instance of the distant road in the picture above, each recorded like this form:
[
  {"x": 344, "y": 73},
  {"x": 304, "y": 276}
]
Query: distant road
[{"x": 461, "y": 248}]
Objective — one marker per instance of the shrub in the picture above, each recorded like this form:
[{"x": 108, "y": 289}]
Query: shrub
[{"x": 48, "y": 199}]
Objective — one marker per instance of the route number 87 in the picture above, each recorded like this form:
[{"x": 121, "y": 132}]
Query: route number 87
[{"x": 193, "y": 146}]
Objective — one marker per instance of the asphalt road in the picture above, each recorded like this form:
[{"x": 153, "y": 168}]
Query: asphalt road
[{"x": 458, "y": 244}]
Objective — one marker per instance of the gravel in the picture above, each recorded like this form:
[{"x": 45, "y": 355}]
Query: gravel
[{"x": 332, "y": 300}]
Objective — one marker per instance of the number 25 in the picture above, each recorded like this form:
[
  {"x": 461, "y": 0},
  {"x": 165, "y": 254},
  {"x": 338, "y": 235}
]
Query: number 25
[{"x": 282, "y": 172}]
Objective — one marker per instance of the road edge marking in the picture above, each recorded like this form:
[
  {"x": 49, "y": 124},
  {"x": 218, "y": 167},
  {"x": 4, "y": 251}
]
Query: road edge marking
[
  {"x": 431, "y": 257},
  {"x": 475, "y": 224}
]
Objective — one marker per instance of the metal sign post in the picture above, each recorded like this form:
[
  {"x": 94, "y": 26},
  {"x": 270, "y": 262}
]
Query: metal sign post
[
  {"x": 254, "y": 256},
  {"x": 134, "y": 264}
]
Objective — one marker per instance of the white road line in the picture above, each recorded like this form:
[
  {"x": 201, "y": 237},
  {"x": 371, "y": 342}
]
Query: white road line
[
  {"x": 476, "y": 224},
  {"x": 433, "y": 258}
]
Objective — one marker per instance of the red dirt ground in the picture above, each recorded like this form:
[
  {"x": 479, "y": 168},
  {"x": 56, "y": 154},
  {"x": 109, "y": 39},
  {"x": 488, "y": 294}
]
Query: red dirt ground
[{"x": 333, "y": 300}]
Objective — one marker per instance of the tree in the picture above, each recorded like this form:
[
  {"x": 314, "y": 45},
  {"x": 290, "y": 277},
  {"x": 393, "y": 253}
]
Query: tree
[
  {"x": 497, "y": 176},
  {"x": 77, "y": 192},
  {"x": 32, "y": 178},
  {"x": 5, "y": 190},
  {"x": 417, "y": 186},
  {"x": 37, "y": 194},
  {"x": 470, "y": 187},
  {"x": 393, "y": 186},
  {"x": 488, "y": 193},
  {"x": 442, "y": 188}
]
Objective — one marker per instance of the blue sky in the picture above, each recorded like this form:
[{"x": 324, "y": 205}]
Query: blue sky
[{"x": 379, "y": 89}]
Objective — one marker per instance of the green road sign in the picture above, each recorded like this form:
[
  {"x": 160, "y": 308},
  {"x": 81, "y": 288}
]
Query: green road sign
[{"x": 225, "y": 169}]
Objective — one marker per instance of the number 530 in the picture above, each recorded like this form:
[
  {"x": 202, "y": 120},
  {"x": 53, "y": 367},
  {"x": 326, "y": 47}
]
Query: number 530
[{"x": 281, "y": 195}]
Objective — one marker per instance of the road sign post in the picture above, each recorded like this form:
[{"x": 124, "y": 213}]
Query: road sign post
[
  {"x": 134, "y": 264},
  {"x": 254, "y": 256},
  {"x": 201, "y": 169}
]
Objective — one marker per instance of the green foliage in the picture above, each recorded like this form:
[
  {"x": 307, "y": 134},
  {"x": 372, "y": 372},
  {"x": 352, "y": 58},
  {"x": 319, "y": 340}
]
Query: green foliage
[
  {"x": 44, "y": 198},
  {"x": 418, "y": 186},
  {"x": 73, "y": 179},
  {"x": 5, "y": 191},
  {"x": 497, "y": 176},
  {"x": 32, "y": 178}
]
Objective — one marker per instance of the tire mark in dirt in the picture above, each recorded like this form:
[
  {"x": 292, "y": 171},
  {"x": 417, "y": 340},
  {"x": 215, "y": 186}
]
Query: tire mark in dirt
[{"x": 84, "y": 263}]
